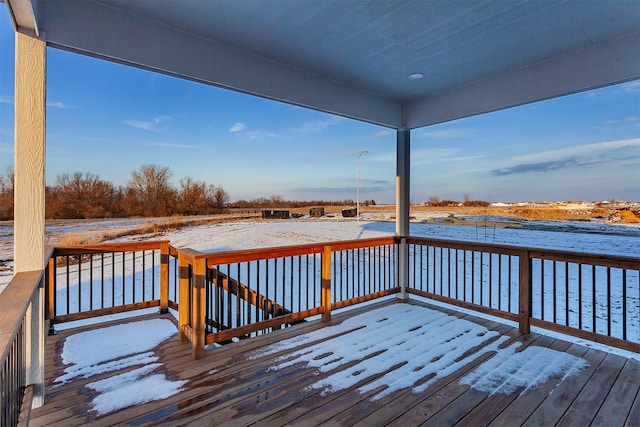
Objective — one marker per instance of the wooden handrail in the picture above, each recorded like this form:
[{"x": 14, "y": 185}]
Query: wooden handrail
[
  {"x": 16, "y": 331},
  {"x": 616, "y": 261},
  {"x": 230, "y": 257},
  {"x": 14, "y": 302},
  {"x": 108, "y": 247},
  {"x": 586, "y": 258}
]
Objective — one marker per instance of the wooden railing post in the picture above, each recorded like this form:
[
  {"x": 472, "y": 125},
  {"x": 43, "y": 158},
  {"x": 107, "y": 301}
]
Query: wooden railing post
[
  {"x": 524, "y": 292},
  {"x": 34, "y": 344},
  {"x": 164, "y": 277},
  {"x": 198, "y": 309},
  {"x": 403, "y": 268},
  {"x": 183, "y": 295},
  {"x": 50, "y": 311},
  {"x": 326, "y": 284}
]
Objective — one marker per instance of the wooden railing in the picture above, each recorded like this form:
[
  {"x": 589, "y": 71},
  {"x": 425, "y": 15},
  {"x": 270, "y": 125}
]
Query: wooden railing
[
  {"x": 21, "y": 358},
  {"x": 94, "y": 280},
  {"x": 235, "y": 295},
  {"x": 590, "y": 296}
]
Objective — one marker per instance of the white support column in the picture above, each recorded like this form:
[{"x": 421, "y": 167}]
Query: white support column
[
  {"x": 403, "y": 206},
  {"x": 29, "y": 191}
]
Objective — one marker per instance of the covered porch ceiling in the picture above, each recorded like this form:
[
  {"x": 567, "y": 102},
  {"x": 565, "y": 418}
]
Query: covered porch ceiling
[{"x": 354, "y": 58}]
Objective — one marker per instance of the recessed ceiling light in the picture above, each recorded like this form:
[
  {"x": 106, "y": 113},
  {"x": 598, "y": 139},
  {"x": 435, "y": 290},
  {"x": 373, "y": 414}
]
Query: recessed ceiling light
[{"x": 416, "y": 76}]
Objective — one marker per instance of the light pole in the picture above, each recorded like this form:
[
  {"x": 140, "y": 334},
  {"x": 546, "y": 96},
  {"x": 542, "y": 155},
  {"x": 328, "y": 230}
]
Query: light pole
[{"x": 358, "y": 184}]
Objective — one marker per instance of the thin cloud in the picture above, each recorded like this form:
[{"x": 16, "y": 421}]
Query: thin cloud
[
  {"x": 445, "y": 134},
  {"x": 626, "y": 120},
  {"x": 598, "y": 154},
  {"x": 258, "y": 134},
  {"x": 630, "y": 87},
  {"x": 382, "y": 134},
  {"x": 157, "y": 124},
  {"x": 172, "y": 145},
  {"x": 6, "y": 99},
  {"x": 429, "y": 156},
  {"x": 238, "y": 127},
  {"x": 61, "y": 105},
  {"x": 315, "y": 126},
  {"x": 537, "y": 167}
]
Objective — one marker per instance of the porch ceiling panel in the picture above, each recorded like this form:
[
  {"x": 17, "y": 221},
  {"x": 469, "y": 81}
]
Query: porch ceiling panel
[{"x": 353, "y": 58}]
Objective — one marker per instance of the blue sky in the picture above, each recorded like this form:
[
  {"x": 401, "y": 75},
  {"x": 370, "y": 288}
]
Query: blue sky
[{"x": 109, "y": 119}]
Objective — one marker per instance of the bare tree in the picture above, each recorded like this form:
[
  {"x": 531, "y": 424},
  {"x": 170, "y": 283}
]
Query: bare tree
[
  {"x": 219, "y": 198},
  {"x": 193, "y": 197},
  {"x": 276, "y": 201},
  {"x": 81, "y": 195},
  {"x": 153, "y": 192}
]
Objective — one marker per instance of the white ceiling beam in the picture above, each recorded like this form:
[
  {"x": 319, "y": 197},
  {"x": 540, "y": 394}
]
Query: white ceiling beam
[
  {"x": 23, "y": 15},
  {"x": 102, "y": 31},
  {"x": 602, "y": 64}
]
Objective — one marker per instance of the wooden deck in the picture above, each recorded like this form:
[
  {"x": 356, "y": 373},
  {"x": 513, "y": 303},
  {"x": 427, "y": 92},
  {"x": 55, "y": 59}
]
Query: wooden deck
[{"x": 234, "y": 385}]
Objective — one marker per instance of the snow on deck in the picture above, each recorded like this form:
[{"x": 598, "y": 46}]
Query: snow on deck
[
  {"x": 409, "y": 346},
  {"x": 117, "y": 347}
]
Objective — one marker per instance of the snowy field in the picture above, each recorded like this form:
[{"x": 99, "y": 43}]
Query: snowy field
[{"x": 598, "y": 238}]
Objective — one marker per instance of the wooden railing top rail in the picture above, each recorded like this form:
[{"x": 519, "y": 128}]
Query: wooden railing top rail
[
  {"x": 14, "y": 301},
  {"x": 616, "y": 261},
  {"x": 463, "y": 245},
  {"x": 109, "y": 247},
  {"x": 228, "y": 257},
  {"x": 216, "y": 258}
]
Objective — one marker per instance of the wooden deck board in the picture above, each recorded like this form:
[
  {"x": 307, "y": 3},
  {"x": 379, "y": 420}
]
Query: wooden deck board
[
  {"x": 616, "y": 407},
  {"x": 519, "y": 410},
  {"x": 233, "y": 385},
  {"x": 585, "y": 407}
]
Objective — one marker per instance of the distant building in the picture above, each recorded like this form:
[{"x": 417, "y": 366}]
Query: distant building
[
  {"x": 275, "y": 214},
  {"x": 316, "y": 212},
  {"x": 350, "y": 212}
]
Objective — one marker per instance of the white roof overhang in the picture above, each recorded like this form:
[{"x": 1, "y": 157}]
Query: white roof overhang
[{"x": 353, "y": 58}]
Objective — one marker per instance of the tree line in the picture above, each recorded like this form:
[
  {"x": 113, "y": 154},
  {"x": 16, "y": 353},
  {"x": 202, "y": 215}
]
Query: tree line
[
  {"x": 149, "y": 193},
  {"x": 277, "y": 201}
]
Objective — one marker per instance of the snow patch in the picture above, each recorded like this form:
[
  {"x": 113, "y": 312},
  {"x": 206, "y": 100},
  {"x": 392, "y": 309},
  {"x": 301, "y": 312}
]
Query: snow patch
[
  {"x": 117, "y": 347},
  {"x": 401, "y": 345},
  {"x": 406, "y": 346},
  {"x": 132, "y": 388},
  {"x": 99, "y": 345},
  {"x": 511, "y": 370}
]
